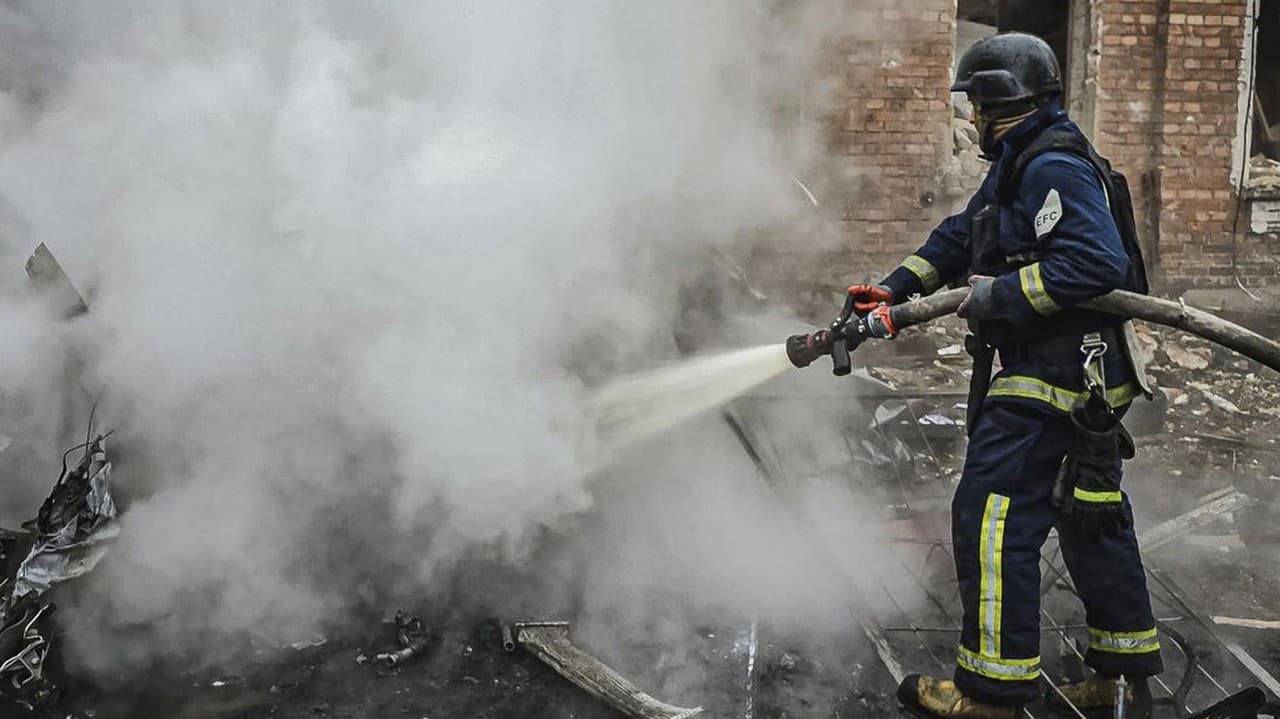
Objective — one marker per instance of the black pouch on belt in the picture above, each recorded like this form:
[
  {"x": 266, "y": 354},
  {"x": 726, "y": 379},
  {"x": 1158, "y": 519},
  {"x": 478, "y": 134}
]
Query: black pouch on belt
[
  {"x": 1088, "y": 486},
  {"x": 980, "y": 381}
]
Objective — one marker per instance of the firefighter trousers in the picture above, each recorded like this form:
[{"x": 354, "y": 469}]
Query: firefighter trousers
[{"x": 1000, "y": 517}]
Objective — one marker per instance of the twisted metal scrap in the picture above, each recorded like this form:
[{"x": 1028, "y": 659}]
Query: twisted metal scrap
[{"x": 75, "y": 525}]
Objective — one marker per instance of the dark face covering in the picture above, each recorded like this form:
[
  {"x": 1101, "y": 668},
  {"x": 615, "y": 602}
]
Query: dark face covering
[{"x": 992, "y": 124}]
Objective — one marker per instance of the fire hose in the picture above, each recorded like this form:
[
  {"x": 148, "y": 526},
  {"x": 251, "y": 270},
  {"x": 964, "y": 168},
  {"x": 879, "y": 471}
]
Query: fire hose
[{"x": 848, "y": 330}]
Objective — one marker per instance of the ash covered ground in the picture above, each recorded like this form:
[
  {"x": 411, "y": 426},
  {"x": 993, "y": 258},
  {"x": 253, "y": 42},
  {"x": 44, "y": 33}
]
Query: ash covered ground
[{"x": 466, "y": 673}]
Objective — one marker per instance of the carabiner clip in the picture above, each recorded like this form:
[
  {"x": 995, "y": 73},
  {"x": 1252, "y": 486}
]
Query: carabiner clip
[{"x": 1093, "y": 347}]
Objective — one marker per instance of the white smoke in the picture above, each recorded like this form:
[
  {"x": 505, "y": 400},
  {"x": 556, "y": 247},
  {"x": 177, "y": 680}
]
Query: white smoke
[{"x": 341, "y": 257}]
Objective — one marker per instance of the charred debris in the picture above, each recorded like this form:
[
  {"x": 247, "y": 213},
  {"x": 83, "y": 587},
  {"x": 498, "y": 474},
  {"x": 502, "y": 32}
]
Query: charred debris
[{"x": 1205, "y": 459}]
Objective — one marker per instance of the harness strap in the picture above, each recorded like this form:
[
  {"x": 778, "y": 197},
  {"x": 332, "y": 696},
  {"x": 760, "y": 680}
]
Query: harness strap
[{"x": 1063, "y": 349}]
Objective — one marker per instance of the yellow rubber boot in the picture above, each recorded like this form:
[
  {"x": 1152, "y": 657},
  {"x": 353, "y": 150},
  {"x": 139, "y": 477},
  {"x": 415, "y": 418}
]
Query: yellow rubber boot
[
  {"x": 1099, "y": 692},
  {"x": 940, "y": 699}
]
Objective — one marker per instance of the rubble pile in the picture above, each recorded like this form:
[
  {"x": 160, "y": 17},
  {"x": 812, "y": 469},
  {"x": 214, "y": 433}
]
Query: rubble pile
[
  {"x": 1223, "y": 414},
  {"x": 1205, "y": 378},
  {"x": 966, "y": 151},
  {"x": 966, "y": 168},
  {"x": 1264, "y": 174},
  {"x": 1222, "y": 407},
  {"x": 930, "y": 355}
]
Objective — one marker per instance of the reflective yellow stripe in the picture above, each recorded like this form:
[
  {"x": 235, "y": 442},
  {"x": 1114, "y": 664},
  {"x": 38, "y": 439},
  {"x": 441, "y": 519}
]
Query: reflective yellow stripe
[
  {"x": 1033, "y": 290},
  {"x": 1124, "y": 642},
  {"x": 924, "y": 271},
  {"x": 1122, "y": 395},
  {"x": 987, "y": 662},
  {"x": 991, "y": 566},
  {"x": 1008, "y": 670},
  {"x": 1060, "y": 397},
  {"x": 1085, "y": 495}
]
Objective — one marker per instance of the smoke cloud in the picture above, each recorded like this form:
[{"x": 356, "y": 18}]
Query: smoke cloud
[{"x": 350, "y": 266}]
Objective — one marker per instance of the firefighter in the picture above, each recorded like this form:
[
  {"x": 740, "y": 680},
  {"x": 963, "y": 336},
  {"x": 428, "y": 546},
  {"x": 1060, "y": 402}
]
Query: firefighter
[{"x": 1050, "y": 226}]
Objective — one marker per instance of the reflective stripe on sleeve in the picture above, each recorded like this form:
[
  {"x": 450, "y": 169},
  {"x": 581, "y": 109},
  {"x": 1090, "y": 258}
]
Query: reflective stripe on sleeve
[
  {"x": 1124, "y": 642},
  {"x": 1008, "y": 670},
  {"x": 1085, "y": 495},
  {"x": 991, "y": 566},
  {"x": 1059, "y": 397},
  {"x": 924, "y": 271},
  {"x": 1033, "y": 289}
]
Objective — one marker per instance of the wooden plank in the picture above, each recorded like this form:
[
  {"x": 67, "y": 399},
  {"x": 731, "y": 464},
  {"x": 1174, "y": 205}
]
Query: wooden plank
[
  {"x": 1246, "y": 623},
  {"x": 1212, "y": 506},
  {"x": 549, "y": 641}
]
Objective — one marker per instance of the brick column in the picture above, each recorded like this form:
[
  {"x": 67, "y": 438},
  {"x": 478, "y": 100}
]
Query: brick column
[{"x": 1167, "y": 116}]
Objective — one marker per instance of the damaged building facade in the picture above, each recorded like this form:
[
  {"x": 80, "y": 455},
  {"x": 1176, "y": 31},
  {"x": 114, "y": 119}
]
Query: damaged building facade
[{"x": 1182, "y": 96}]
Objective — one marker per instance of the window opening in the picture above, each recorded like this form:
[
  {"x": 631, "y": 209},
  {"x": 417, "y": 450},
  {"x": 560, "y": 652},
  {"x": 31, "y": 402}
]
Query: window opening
[{"x": 1264, "y": 146}]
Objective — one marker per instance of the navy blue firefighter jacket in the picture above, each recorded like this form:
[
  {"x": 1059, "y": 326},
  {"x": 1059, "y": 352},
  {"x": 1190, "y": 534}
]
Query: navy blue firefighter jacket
[{"x": 1060, "y": 216}]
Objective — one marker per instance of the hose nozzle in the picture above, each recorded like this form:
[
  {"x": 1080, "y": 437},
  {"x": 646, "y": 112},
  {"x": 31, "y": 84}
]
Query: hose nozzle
[
  {"x": 802, "y": 350},
  {"x": 838, "y": 341}
]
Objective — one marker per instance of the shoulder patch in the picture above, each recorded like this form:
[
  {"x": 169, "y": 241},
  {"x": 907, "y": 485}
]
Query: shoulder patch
[{"x": 1049, "y": 214}]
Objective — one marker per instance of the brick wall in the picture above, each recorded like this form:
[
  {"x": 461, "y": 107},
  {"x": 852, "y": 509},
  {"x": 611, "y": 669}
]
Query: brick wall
[
  {"x": 1258, "y": 259},
  {"x": 1126, "y": 114},
  {"x": 1165, "y": 113},
  {"x": 891, "y": 141},
  {"x": 887, "y": 133}
]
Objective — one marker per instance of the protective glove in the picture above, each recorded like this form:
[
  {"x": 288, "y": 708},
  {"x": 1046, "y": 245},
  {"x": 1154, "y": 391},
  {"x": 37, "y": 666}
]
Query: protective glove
[
  {"x": 979, "y": 303},
  {"x": 879, "y": 323},
  {"x": 868, "y": 297},
  {"x": 802, "y": 350},
  {"x": 1092, "y": 469}
]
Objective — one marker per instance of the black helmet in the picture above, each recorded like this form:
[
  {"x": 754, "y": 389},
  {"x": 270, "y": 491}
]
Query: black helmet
[{"x": 1008, "y": 68}]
